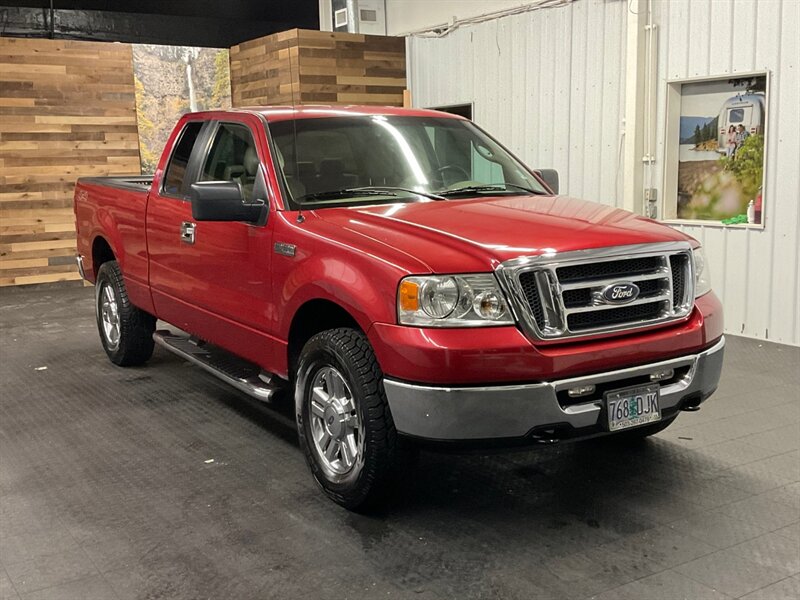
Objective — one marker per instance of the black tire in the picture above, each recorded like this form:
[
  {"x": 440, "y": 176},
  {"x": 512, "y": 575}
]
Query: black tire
[
  {"x": 133, "y": 343},
  {"x": 349, "y": 353},
  {"x": 639, "y": 434}
]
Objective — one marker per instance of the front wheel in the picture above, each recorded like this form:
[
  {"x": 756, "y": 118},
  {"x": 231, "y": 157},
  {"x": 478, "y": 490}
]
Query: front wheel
[
  {"x": 343, "y": 419},
  {"x": 125, "y": 331}
]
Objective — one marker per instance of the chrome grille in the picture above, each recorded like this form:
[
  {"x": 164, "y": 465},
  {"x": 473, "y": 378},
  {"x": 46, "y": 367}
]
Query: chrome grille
[
  {"x": 560, "y": 295},
  {"x": 679, "y": 266},
  {"x": 613, "y": 316},
  {"x": 531, "y": 293},
  {"x": 608, "y": 269}
]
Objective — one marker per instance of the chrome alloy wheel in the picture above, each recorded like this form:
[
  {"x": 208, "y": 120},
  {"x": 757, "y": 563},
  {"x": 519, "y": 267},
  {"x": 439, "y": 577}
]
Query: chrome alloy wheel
[
  {"x": 335, "y": 425},
  {"x": 108, "y": 310}
]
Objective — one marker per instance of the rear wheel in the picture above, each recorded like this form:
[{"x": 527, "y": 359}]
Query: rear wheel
[
  {"x": 343, "y": 419},
  {"x": 126, "y": 332}
]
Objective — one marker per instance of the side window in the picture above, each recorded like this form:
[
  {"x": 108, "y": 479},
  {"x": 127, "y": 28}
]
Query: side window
[
  {"x": 232, "y": 157},
  {"x": 176, "y": 169}
]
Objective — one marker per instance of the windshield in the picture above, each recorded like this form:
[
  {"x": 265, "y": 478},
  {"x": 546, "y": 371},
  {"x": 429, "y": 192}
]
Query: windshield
[{"x": 374, "y": 159}]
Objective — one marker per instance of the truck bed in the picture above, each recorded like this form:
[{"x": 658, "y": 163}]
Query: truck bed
[{"x": 110, "y": 213}]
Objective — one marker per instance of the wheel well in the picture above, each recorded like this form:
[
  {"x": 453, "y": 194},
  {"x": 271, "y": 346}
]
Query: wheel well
[
  {"x": 313, "y": 317},
  {"x": 101, "y": 253}
]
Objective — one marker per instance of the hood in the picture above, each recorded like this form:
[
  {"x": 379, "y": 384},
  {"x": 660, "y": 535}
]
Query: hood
[{"x": 471, "y": 235}]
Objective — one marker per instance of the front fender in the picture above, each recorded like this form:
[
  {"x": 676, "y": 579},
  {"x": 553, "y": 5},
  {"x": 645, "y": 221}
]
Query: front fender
[{"x": 363, "y": 289}]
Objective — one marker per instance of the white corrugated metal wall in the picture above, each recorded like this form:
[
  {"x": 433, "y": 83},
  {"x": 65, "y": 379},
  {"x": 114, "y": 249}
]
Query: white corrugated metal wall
[
  {"x": 550, "y": 85},
  {"x": 755, "y": 272}
]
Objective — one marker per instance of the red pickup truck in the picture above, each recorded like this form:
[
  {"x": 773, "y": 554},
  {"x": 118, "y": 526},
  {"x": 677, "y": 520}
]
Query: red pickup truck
[{"x": 406, "y": 278}]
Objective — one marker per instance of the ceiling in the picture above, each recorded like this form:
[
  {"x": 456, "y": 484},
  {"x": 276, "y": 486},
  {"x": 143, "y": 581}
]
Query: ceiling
[{"x": 181, "y": 22}]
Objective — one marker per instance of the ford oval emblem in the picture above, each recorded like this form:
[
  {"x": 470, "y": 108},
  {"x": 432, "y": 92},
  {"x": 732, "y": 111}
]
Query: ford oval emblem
[{"x": 620, "y": 293}]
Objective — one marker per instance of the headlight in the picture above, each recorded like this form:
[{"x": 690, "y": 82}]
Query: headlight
[
  {"x": 702, "y": 277},
  {"x": 452, "y": 301}
]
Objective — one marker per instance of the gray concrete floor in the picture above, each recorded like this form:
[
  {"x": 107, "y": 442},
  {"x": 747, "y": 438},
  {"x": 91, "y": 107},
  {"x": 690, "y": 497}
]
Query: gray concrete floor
[{"x": 160, "y": 482}]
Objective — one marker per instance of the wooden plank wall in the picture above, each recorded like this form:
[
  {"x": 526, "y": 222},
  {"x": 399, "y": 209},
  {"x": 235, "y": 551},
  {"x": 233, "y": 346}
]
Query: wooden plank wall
[
  {"x": 318, "y": 67},
  {"x": 67, "y": 110},
  {"x": 265, "y": 68}
]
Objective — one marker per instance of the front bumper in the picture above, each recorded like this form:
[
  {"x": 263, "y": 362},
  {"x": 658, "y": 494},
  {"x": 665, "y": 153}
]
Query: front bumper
[{"x": 540, "y": 411}]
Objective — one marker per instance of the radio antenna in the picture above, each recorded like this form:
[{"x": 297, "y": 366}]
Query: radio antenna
[{"x": 300, "y": 217}]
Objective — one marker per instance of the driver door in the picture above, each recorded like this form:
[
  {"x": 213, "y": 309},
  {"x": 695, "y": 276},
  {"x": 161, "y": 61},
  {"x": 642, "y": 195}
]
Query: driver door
[{"x": 212, "y": 279}]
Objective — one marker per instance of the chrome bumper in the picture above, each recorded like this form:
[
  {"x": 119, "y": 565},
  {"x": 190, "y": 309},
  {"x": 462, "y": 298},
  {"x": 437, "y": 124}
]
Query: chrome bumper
[{"x": 515, "y": 411}]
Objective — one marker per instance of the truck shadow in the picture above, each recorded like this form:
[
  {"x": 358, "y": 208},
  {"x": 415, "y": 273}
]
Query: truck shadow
[
  {"x": 563, "y": 496},
  {"x": 655, "y": 480}
]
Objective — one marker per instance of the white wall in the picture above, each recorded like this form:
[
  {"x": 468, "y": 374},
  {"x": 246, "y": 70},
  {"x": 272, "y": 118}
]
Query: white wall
[
  {"x": 755, "y": 272},
  {"x": 550, "y": 84},
  {"x": 403, "y": 16}
]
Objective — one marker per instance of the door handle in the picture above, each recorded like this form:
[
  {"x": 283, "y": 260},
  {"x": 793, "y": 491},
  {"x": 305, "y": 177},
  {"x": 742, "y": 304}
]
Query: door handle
[{"x": 187, "y": 232}]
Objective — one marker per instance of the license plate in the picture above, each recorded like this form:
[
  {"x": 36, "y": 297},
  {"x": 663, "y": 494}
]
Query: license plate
[{"x": 632, "y": 407}]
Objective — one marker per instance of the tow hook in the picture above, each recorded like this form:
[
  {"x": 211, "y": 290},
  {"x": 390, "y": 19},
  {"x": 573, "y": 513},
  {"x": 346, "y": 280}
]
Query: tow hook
[
  {"x": 544, "y": 441},
  {"x": 691, "y": 404},
  {"x": 547, "y": 436}
]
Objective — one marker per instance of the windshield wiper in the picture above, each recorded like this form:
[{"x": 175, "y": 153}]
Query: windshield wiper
[
  {"x": 391, "y": 188},
  {"x": 344, "y": 193},
  {"x": 373, "y": 190},
  {"x": 489, "y": 187}
]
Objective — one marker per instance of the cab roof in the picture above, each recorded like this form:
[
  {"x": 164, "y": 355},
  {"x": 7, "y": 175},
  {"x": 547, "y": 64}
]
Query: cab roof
[{"x": 310, "y": 111}]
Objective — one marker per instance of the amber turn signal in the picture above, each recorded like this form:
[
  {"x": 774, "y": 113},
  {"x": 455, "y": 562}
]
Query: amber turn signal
[{"x": 409, "y": 296}]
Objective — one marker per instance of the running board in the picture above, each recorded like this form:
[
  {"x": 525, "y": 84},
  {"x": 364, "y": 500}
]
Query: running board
[{"x": 241, "y": 374}]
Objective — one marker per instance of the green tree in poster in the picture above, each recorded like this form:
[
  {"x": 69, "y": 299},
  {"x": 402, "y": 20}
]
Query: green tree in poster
[
  {"x": 698, "y": 135},
  {"x": 221, "y": 93},
  {"x": 748, "y": 165}
]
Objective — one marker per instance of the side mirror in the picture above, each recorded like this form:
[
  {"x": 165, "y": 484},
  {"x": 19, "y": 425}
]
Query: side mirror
[
  {"x": 550, "y": 177},
  {"x": 224, "y": 201}
]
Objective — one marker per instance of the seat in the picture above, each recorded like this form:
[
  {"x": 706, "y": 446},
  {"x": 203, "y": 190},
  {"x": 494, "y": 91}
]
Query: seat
[
  {"x": 250, "y": 162},
  {"x": 233, "y": 172},
  {"x": 307, "y": 175},
  {"x": 247, "y": 178},
  {"x": 296, "y": 188},
  {"x": 332, "y": 176}
]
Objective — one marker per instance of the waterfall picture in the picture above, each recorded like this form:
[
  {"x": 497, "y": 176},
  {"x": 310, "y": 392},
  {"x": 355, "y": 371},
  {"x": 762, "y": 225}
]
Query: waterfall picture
[{"x": 171, "y": 81}]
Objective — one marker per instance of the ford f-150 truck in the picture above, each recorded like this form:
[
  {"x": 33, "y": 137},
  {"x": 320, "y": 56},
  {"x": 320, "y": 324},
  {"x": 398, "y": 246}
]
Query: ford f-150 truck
[{"x": 405, "y": 278}]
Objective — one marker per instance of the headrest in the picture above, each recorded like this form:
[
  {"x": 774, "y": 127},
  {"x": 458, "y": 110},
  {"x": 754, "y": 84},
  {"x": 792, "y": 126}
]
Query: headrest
[
  {"x": 306, "y": 170},
  {"x": 330, "y": 167},
  {"x": 250, "y": 161}
]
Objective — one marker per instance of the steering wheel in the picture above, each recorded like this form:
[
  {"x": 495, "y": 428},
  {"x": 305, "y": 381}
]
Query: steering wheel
[{"x": 443, "y": 169}]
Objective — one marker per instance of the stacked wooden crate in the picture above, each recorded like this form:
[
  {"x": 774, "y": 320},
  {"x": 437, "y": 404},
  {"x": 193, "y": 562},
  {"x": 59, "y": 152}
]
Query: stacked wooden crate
[
  {"x": 67, "y": 110},
  {"x": 318, "y": 67}
]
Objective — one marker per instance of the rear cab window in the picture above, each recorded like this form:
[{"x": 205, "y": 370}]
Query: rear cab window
[{"x": 175, "y": 176}]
